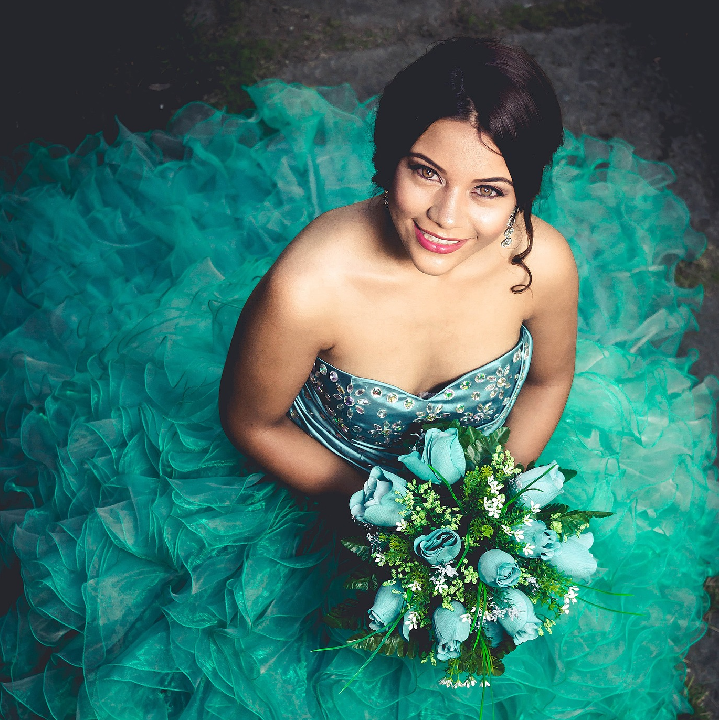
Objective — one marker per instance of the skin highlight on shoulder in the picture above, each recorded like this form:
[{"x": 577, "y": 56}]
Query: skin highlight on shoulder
[
  {"x": 311, "y": 279},
  {"x": 552, "y": 264},
  {"x": 335, "y": 239},
  {"x": 554, "y": 260}
]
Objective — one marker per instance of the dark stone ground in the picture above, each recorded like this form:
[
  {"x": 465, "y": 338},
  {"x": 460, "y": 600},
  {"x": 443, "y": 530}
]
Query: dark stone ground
[{"x": 640, "y": 70}]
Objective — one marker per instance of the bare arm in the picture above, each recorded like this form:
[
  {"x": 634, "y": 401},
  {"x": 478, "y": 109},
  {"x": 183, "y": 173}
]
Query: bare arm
[
  {"x": 277, "y": 338},
  {"x": 553, "y": 325}
]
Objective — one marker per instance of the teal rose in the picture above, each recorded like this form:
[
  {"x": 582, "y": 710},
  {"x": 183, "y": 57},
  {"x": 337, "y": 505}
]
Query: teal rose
[
  {"x": 389, "y": 601},
  {"x": 539, "y": 540},
  {"x": 452, "y": 627},
  {"x": 438, "y": 547},
  {"x": 498, "y": 569},
  {"x": 443, "y": 451},
  {"x": 377, "y": 502},
  {"x": 573, "y": 557},
  {"x": 546, "y": 481},
  {"x": 518, "y": 619}
]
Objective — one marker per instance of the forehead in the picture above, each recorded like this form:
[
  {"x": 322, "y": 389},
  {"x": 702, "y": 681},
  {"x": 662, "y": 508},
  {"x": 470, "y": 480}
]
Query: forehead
[{"x": 457, "y": 146}]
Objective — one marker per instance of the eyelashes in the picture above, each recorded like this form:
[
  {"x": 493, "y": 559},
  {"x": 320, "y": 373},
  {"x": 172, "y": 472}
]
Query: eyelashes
[
  {"x": 492, "y": 191},
  {"x": 425, "y": 172}
]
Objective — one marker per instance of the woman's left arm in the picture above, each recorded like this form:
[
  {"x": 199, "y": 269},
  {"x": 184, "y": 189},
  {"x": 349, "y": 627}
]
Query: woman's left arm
[{"x": 552, "y": 322}]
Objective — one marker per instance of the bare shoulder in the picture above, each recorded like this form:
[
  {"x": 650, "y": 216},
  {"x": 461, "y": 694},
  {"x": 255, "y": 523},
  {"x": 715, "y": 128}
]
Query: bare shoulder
[
  {"x": 309, "y": 274},
  {"x": 554, "y": 288},
  {"x": 332, "y": 235},
  {"x": 551, "y": 260}
]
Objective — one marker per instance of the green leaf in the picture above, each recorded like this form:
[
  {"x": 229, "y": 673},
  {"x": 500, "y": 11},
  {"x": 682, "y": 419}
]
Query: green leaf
[
  {"x": 360, "y": 580},
  {"x": 478, "y": 454},
  {"x": 359, "y": 546},
  {"x": 573, "y": 522},
  {"x": 395, "y": 644},
  {"x": 507, "y": 645},
  {"x": 484, "y": 446},
  {"x": 551, "y": 509},
  {"x": 500, "y": 436},
  {"x": 475, "y": 659},
  {"x": 568, "y": 474},
  {"x": 348, "y": 615},
  {"x": 471, "y": 456},
  {"x": 468, "y": 436},
  {"x": 367, "y": 643}
]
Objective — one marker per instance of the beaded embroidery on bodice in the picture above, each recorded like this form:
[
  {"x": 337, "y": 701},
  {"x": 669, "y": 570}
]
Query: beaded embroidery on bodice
[{"x": 363, "y": 420}]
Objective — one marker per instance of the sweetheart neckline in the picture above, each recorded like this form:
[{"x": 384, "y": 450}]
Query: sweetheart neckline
[{"x": 524, "y": 334}]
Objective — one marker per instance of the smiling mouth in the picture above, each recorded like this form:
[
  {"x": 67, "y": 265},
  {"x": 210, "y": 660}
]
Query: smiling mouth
[{"x": 435, "y": 243}]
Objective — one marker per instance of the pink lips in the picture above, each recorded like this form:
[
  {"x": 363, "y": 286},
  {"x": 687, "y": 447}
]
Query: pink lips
[{"x": 423, "y": 237}]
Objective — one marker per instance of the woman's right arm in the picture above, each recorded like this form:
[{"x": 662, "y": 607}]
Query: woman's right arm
[{"x": 281, "y": 329}]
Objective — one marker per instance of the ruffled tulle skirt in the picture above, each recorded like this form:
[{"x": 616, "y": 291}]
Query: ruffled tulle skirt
[{"x": 164, "y": 576}]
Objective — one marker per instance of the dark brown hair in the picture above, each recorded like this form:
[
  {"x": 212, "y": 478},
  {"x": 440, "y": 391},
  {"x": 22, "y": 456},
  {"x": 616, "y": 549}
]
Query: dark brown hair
[{"x": 499, "y": 89}]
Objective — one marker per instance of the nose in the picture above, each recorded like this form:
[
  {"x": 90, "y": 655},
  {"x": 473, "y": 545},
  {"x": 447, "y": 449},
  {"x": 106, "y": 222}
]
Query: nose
[{"x": 446, "y": 207}]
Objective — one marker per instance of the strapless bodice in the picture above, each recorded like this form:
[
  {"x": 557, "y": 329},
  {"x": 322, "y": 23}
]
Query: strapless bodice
[{"x": 363, "y": 420}]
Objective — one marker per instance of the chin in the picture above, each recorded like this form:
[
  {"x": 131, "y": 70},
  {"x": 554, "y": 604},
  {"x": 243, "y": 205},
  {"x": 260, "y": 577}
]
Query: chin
[
  {"x": 433, "y": 271},
  {"x": 435, "y": 265}
]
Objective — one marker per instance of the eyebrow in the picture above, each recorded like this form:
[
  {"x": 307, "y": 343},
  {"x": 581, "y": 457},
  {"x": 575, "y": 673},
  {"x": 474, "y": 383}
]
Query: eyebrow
[{"x": 477, "y": 180}]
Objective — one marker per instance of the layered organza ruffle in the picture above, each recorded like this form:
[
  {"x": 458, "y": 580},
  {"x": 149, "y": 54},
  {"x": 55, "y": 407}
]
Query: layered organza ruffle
[{"x": 164, "y": 576}]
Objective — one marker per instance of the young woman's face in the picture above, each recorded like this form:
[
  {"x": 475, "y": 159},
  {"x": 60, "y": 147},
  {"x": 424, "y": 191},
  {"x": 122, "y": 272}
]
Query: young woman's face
[{"x": 452, "y": 196}]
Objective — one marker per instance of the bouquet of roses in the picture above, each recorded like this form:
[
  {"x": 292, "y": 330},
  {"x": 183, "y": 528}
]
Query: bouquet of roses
[{"x": 467, "y": 559}]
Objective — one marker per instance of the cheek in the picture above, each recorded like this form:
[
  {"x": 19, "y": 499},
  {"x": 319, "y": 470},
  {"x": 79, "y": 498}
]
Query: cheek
[
  {"x": 491, "y": 221},
  {"x": 407, "y": 197}
]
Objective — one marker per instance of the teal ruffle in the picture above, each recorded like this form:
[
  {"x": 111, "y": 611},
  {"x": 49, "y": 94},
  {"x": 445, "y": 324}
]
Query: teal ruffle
[{"x": 165, "y": 577}]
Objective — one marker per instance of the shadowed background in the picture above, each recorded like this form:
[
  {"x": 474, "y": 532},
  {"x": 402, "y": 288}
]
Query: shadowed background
[{"x": 640, "y": 70}]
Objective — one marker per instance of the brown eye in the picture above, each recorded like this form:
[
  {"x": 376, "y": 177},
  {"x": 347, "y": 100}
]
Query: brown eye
[
  {"x": 424, "y": 172},
  {"x": 486, "y": 191}
]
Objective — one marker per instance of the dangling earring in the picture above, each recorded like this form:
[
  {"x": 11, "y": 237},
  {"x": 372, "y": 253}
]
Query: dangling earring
[
  {"x": 507, "y": 235},
  {"x": 385, "y": 200}
]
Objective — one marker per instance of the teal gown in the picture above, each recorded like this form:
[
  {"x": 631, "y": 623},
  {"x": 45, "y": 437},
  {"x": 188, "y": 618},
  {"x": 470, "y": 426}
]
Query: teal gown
[{"x": 166, "y": 577}]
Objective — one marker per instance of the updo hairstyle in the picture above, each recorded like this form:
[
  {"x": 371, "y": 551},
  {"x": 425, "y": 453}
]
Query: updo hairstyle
[{"x": 499, "y": 89}]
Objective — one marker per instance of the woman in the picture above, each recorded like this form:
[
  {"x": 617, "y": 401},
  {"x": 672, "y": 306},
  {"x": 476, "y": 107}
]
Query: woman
[
  {"x": 165, "y": 577},
  {"x": 419, "y": 287}
]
